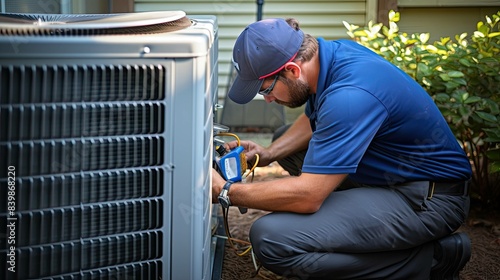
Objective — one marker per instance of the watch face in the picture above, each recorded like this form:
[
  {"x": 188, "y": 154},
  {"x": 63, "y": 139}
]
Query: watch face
[{"x": 224, "y": 201}]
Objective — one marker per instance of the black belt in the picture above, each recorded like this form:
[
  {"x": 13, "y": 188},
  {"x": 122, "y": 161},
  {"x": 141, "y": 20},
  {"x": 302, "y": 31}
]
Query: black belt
[{"x": 450, "y": 188}]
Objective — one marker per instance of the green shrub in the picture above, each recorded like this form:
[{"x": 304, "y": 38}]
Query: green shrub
[{"x": 463, "y": 78}]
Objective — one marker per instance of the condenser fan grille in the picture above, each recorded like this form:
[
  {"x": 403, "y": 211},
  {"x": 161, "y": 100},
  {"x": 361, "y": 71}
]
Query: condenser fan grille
[{"x": 12, "y": 24}]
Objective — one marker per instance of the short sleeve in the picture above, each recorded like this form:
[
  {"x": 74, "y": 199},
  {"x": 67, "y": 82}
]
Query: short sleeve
[{"x": 347, "y": 120}]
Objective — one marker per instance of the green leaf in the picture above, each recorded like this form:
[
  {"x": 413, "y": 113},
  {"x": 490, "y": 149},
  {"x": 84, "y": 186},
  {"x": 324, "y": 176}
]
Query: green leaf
[
  {"x": 445, "y": 40},
  {"x": 494, "y": 133},
  {"x": 426, "y": 81},
  {"x": 445, "y": 77},
  {"x": 455, "y": 74},
  {"x": 460, "y": 81},
  {"x": 478, "y": 34},
  {"x": 464, "y": 111},
  {"x": 493, "y": 154},
  {"x": 442, "y": 97},
  {"x": 431, "y": 48},
  {"x": 493, "y": 107},
  {"x": 424, "y": 37},
  {"x": 410, "y": 42},
  {"x": 360, "y": 33},
  {"x": 479, "y": 24},
  {"x": 423, "y": 67},
  {"x": 494, "y": 167},
  {"x": 494, "y": 34},
  {"x": 451, "y": 85},
  {"x": 491, "y": 139},
  {"x": 472, "y": 99},
  {"x": 393, "y": 16},
  {"x": 455, "y": 119},
  {"x": 486, "y": 116},
  {"x": 484, "y": 29},
  {"x": 347, "y": 25},
  {"x": 465, "y": 62},
  {"x": 489, "y": 60}
]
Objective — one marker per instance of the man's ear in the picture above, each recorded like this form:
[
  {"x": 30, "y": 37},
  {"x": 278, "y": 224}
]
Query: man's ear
[{"x": 293, "y": 68}]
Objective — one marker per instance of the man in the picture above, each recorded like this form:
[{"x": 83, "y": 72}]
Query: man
[{"x": 367, "y": 125}]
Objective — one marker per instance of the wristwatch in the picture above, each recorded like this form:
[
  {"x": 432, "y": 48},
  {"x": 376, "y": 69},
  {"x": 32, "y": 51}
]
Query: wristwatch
[{"x": 223, "y": 196}]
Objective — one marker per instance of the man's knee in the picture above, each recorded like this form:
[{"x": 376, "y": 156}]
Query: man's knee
[
  {"x": 267, "y": 243},
  {"x": 274, "y": 248}
]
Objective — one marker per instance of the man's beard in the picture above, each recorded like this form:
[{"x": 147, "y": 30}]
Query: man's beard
[{"x": 298, "y": 91}]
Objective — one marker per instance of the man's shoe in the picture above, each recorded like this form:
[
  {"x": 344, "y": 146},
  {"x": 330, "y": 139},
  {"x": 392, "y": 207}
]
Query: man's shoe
[{"x": 451, "y": 253}]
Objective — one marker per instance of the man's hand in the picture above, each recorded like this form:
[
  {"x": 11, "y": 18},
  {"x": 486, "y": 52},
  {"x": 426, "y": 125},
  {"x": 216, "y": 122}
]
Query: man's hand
[
  {"x": 251, "y": 149},
  {"x": 217, "y": 184}
]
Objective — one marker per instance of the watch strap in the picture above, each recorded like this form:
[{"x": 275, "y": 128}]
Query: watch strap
[
  {"x": 227, "y": 185},
  {"x": 224, "y": 195}
]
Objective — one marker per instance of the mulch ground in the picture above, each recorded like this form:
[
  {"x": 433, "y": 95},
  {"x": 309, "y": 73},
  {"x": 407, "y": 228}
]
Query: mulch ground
[{"x": 482, "y": 227}]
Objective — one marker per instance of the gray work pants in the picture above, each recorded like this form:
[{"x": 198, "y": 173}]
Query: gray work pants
[{"x": 360, "y": 233}]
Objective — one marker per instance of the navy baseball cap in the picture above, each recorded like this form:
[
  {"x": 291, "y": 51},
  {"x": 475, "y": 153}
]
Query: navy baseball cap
[{"x": 262, "y": 50}]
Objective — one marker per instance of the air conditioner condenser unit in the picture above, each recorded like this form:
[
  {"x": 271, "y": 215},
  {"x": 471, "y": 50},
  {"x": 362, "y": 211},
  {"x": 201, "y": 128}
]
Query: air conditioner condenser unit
[{"x": 106, "y": 131}]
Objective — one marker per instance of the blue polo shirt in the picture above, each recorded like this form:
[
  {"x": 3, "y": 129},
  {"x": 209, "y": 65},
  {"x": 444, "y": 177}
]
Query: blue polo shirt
[{"x": 374, "y": 122}]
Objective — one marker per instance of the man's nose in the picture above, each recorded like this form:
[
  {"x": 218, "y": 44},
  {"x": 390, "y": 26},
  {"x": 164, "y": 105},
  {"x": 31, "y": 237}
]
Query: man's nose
[{"x": 269, "y": 98}]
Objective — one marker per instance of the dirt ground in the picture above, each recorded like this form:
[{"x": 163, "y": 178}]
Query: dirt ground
[{"x": 482, "y": 228}]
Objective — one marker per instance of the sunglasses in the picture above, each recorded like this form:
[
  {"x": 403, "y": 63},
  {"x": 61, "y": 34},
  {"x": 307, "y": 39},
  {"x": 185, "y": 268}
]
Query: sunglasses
[{"x": 270, "y": 88}]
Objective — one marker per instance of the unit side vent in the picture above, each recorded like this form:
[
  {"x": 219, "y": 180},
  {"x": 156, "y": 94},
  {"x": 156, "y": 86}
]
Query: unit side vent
[{"x": 88, "y": 146}]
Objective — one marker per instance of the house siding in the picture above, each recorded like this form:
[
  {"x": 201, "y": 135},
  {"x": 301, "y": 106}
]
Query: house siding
[
  {"x": 443, "y": 21},
  {"x": 318, "y": 18}
]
